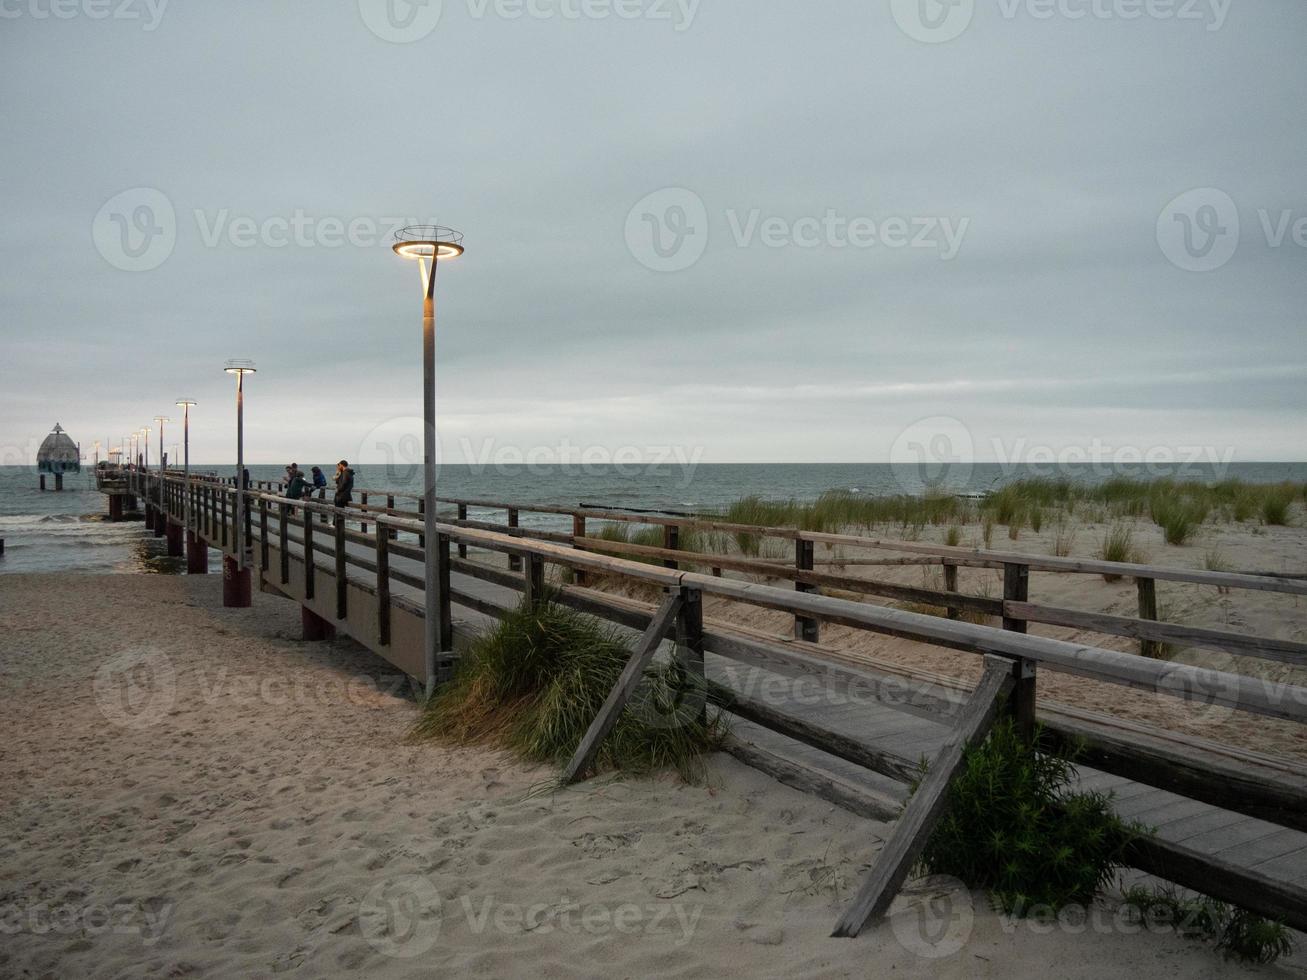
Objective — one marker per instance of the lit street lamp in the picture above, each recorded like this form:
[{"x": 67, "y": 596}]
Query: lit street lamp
[
  {"x": 236, "y": 574},
  {"x": 428, "y": 244}
]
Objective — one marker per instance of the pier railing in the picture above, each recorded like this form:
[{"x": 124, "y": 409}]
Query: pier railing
[{"x": 361, "y": 569}]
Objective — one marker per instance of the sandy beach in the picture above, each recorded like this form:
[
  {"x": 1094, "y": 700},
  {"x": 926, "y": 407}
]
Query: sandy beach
[{"x": 193, "y": 791}]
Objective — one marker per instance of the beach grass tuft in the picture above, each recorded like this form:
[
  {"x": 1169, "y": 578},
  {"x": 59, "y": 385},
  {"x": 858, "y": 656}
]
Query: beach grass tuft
[
  {"x": 1236, "y": 932},
  {"x": 536, "y": 680}
]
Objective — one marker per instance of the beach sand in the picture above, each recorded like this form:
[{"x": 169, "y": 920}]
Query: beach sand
[{"x": 187, "y": 790}]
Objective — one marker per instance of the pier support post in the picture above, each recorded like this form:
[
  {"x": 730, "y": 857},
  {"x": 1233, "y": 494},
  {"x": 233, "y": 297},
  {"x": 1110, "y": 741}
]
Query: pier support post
[
  {"x": 58, "y": 481},
  {"x": 174, "y": 540},
  {"x": 197, "y": 554},
  {"x": 42, "y": 482},
  {"x": 115, "y": 507},
  {"x": 160, "y": 522},
  {"x": 316, "y": 629},
  {"x": 235, "y": 584},
  {"x": 149, "y": 517}
]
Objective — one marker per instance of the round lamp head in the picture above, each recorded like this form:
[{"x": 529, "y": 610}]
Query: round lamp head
[
  {"x": 428, "y": 241},
  {"x": 238, "y": 366},
  {"x": 186, "y": 402}
]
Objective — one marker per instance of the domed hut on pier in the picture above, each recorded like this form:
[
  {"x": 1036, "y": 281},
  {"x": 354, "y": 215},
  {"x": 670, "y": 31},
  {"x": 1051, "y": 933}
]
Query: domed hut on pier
[{"x": 58, "y": 453}]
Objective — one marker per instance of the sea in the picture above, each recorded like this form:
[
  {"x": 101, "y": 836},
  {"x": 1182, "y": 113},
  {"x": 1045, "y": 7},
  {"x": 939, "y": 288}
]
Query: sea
[{"x": 69, "y": 530}]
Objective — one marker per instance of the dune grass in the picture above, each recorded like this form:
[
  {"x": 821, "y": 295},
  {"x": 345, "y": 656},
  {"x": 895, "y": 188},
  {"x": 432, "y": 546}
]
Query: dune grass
[
  {"x": 535, "y": 682},
  {"x": 1237, "y": 933}
]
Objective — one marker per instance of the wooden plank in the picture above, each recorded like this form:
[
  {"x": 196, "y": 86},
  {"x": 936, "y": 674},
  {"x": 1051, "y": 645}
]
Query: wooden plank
[
  {"x": 1232, "y": 784},
  {"x": 1217, "y": 876},
  {"x": 383, "y": 587},
  {"x": 857, "y": 751},
  {"x": 810, "y": 781},
  {"x": 805, "y": 627},
  {"x": 927, "y": 805},
  {"x": 283, "y": 537},
  {"x": 308, "y": 553},
  {"x": 1266, "y": 648},
  {"x": 342, "y": 581},
  {"x": 514, "y": 561},
  {"x": 626, "y": 684},
  {"x": 1147, "y": 590}
]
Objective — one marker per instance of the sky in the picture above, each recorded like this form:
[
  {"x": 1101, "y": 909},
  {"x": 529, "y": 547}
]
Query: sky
[{"x": 716, "y": 230}]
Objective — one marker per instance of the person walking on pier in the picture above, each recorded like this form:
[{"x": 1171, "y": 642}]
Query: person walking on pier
[
  {"x": 296, "y": 485},
  {"x": 344, "y": 484},
  {"x": 319, "y": 482}
]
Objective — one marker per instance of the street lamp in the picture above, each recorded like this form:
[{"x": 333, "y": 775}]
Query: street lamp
[
  {"x": 236, "y": 576},
  {"x": 97, "y": 454},
  {"x": 192, "y": 545},
  {"x": 428, "y": 244},
  {"x": 145, "y": 442}
]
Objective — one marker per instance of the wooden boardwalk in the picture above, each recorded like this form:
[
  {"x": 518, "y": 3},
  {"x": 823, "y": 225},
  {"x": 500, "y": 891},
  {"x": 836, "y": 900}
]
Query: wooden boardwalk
[{"x": 861, "y": 732}]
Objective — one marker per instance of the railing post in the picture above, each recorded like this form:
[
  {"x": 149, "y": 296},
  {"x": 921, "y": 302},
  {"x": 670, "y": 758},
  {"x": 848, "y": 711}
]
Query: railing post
[
  {"x": 308, "y": 552},
  {"x": 263, "y": 534},
  {"x": 422, "y": 515},
  {"x": 689, "y": 656},
  {"x": 442, "y": 581},
  {"x": 533, "y": 589},
  {"x": 283, "y": 541},
  {"x": 363, "y": 502},
  {"x": 462, "y": 516},
  {"x": 672, "y": 542},
  {"x": 383, "y": 587},
  {"x": 514, "y": 561},
  {"x": 805, "y": 628},
  {"x": 222, "y": 516},
  {"x": 1016, "y": 588},
  {"x": 342, "y": 580},
  {"x": 578, "y": 531},
  {"x": 1148, "y": 610},
  {"x": 951, "y": 585}
]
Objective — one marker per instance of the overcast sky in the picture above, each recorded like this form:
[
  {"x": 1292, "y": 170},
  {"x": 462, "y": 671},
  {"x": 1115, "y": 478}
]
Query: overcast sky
[{"x": 741, "y": 229}]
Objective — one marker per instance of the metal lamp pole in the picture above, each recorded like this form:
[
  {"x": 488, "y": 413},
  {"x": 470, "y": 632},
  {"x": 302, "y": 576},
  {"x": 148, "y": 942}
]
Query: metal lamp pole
[
  {"x": 428, "y": 244},
  {"x": 239, "y": 576}
]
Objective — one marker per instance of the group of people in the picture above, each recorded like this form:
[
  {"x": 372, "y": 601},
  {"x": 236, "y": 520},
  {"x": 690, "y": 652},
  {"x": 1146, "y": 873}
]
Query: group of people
[{"x": 302, "y": 487}]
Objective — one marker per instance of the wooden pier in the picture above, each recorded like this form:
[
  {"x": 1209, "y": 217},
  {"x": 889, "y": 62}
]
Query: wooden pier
[{"x": 1230, "y": 822}]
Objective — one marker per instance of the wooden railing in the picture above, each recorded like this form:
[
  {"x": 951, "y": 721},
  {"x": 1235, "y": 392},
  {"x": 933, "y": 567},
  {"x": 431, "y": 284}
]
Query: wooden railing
[{"x": 355, "y": 587}]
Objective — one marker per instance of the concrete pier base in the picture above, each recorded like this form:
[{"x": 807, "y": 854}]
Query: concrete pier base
[
  {"x": 235, "y": 584},
  {"x": 315, "y": 627},
  {"x": 160, "y": 523},
  {"x": 149, "y": 518},
  {"x": 197, "y": 555},
  {"x": 115, "y": 507},
  {"x": 174, "y": 534}
]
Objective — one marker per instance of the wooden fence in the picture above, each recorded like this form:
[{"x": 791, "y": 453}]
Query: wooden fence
[{"x": 348, "y": 572}]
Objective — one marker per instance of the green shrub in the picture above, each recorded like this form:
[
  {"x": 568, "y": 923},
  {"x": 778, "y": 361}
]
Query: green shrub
[
  {"x": 536, "y": 681},
  {"x": 1015, "y": 828},
  {"x": 1275, "y": 508},
  {"x": 953, "y": 537},
  {"x": 1178, "y": 518}
]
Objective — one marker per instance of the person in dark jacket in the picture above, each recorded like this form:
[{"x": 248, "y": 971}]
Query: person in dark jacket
[
  {"x": 297, "y": 487},
  {"x": 319, "y": 481},
  {"x": 344, "y": 484}
]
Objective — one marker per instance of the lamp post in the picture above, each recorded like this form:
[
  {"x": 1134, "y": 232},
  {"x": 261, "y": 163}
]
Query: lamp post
[
  {"x": 97, "y": 454},
  {"x": 428, "y": 244},
  {"x": 236, "y": 573},
  {"x": 197, "y": 550}
]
